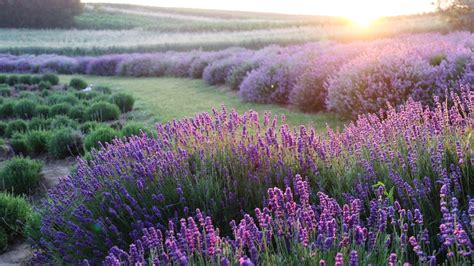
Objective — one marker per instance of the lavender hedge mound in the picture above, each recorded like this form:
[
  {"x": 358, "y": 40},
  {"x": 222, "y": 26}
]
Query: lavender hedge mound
[
  {"x": 223, "y": 164},
  {"x": 348, "y": 78}
]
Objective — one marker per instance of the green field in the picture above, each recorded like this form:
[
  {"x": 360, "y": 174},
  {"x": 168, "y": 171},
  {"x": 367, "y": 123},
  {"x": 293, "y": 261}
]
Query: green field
[
  {"x": 164, "y": 99},
  {"x": 105, "y": 29}
]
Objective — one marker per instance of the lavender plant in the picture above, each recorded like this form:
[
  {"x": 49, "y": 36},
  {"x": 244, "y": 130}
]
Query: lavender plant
[{"x": 223, "y": 163}]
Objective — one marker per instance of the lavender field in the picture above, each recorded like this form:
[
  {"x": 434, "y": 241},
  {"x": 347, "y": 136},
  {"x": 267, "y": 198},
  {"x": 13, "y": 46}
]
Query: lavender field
[{"x": 223, "y": 138}]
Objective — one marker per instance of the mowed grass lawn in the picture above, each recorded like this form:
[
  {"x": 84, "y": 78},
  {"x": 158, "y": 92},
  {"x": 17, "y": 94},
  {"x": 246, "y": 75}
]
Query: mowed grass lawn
[{"x": 165, "y": 99}]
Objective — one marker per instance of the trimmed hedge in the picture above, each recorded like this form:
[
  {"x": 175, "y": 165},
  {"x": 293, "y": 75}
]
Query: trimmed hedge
[
  {"x": 103, "y": 111},
  {"x": 15, "y": 212},
  {"x": 20, "y": 175},
  {"x": 124, "y": 101},
  {"x": 65, "y": 142},
  {"x": 99, "y": 136}
]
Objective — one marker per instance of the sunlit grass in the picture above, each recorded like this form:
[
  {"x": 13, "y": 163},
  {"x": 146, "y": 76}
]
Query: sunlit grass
[{"x": 165, "y": 99}]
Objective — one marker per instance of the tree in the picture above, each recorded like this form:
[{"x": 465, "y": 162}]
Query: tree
[
  {"x": 460, "y": 13},
  {"x": 39, "y": 13}
]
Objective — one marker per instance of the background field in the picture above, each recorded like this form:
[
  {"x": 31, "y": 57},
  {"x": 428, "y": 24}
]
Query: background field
[
  {"x": 165, "y": 99},
  {"x": 103, "y": 29}
]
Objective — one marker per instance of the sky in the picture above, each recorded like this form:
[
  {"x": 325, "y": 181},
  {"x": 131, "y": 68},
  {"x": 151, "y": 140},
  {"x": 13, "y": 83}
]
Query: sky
[{"x": 347, "y": 8}]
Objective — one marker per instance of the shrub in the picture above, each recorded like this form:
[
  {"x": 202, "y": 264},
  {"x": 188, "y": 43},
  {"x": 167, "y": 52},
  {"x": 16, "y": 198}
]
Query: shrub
[
  {"x": 238, "y": 74},
  {"x": 59, "y": 109},
  {"x": 33, "y": 226},
  {"x": 51, "y": 78},
  {"x": 77, "y": 113},
  {"x": 370, "y": 82},
  {"x": 89, "y": 126},
  {"x": 19, "y": 144},
  {"x": 134, "y": 129},
  {"x": 78, "y": 84},
  {"x": 61, "y": 121},
  {"x": 65, "y": 142},
  {"x": 20, "y": 175},
  {"x": 309, "y": 93},
  {"x": 15, "y": 212},
  {"x": 63, "y": 98},
  {"x": 43, "y": 111},
  {"x": 3, "y": 127},
  {"x": 25, "y": 109},
  {"x": 44, "y": 85},
  {"x": 223, "y": 162},
  {"x": 39, "y": 123},
  {"x": 98, "y": 136},
  {"x": 37, "y": 141},
  {"x": 268, "y": 84},
  {"x": 123, "y": 101},
  {"x": 16, "y": 126},
  {"x": 3, "y": 240},
  {"x": 36, "y": 80},
  {"x": 3, "y": 79},
  {"x": 26, "y": 79},
  {"x": 6, "y": 110},
  {"x": 102, "y": 111},
  {"x": 102, "y": 89},
  {"x": 5, "y": 91},
  {"x": 13, "y": 80}
]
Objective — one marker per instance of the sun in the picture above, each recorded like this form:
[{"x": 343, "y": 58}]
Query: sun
[
  {"x": 363, "y": 13},
  {"x": 362, "y": 20}
]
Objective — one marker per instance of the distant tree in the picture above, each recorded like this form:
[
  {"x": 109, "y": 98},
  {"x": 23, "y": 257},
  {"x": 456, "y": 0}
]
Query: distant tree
[
  {"x": 39, "y": 13},
  {"x": 460, "y": 13}
]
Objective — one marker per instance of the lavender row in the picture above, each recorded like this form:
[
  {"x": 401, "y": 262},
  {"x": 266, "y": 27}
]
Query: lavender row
[
  {"x": 222, "y": 163},
  {"x": 348, "y": 78},
  {"x": 293, "y": 230}
]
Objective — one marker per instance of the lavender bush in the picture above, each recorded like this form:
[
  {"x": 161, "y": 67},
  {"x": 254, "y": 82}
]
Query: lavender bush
[
  {"x": 292, "y": 229},
  {"x": 223, "y": 163},
  {"x": 350, "y": 78}
]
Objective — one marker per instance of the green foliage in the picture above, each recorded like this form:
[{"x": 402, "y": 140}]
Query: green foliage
[
  {"x": 61, "y": 121},
  {"x": 15, "y": 126},
  {"x": 103, "y": 111},
  {"x": 26, "y": 79},
  {"x": 6, "y": 109},
  {"x": 18, "y": 144},
  {"x": 20, "y": 175},
  {"x": 124, "y": 101},
  {"x": 89, "y": 126},
  {"x": 37, "y": 141},
  {"x": 59, "y": 109},
  {"x": 25, "y": 109},
  {"x": 134, "y": 129},
  {"x": 62, "y": 98},
  {"x": 42, "y": 110},
  {"x": 77, "y": 113},
  {"x": 13, "y": 80},
  {"x": 65, "y": 142},
  {"x": 44, "y": 85},
  {"x": 3, "y": 79},
  {"x": 3, "y": 240},
  {"x": 78, "y": 84},
  {"x": 15, "y": 212},
  {"x": 39, "y": 123},
  {"x": 99, "y": 135},
  {"x": 5, "y": 91},
  {"x": 102, "y": 89},
  {"x": 33, "y": 226},
  {"x": 36, "y": 80},
  {"x": 3, "y": 127},
  {"x": 51, "y": 78}
]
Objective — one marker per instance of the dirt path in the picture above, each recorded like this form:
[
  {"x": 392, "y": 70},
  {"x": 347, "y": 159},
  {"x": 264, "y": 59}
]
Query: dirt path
[{"x": 21, "y": 253}]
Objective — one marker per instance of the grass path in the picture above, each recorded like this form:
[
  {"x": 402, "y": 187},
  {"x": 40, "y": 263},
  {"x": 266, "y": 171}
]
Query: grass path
[{"x": 165, "y": 99}]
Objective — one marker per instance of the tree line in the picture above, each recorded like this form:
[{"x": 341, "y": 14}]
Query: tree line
[{"x": 39, "y": 13}]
